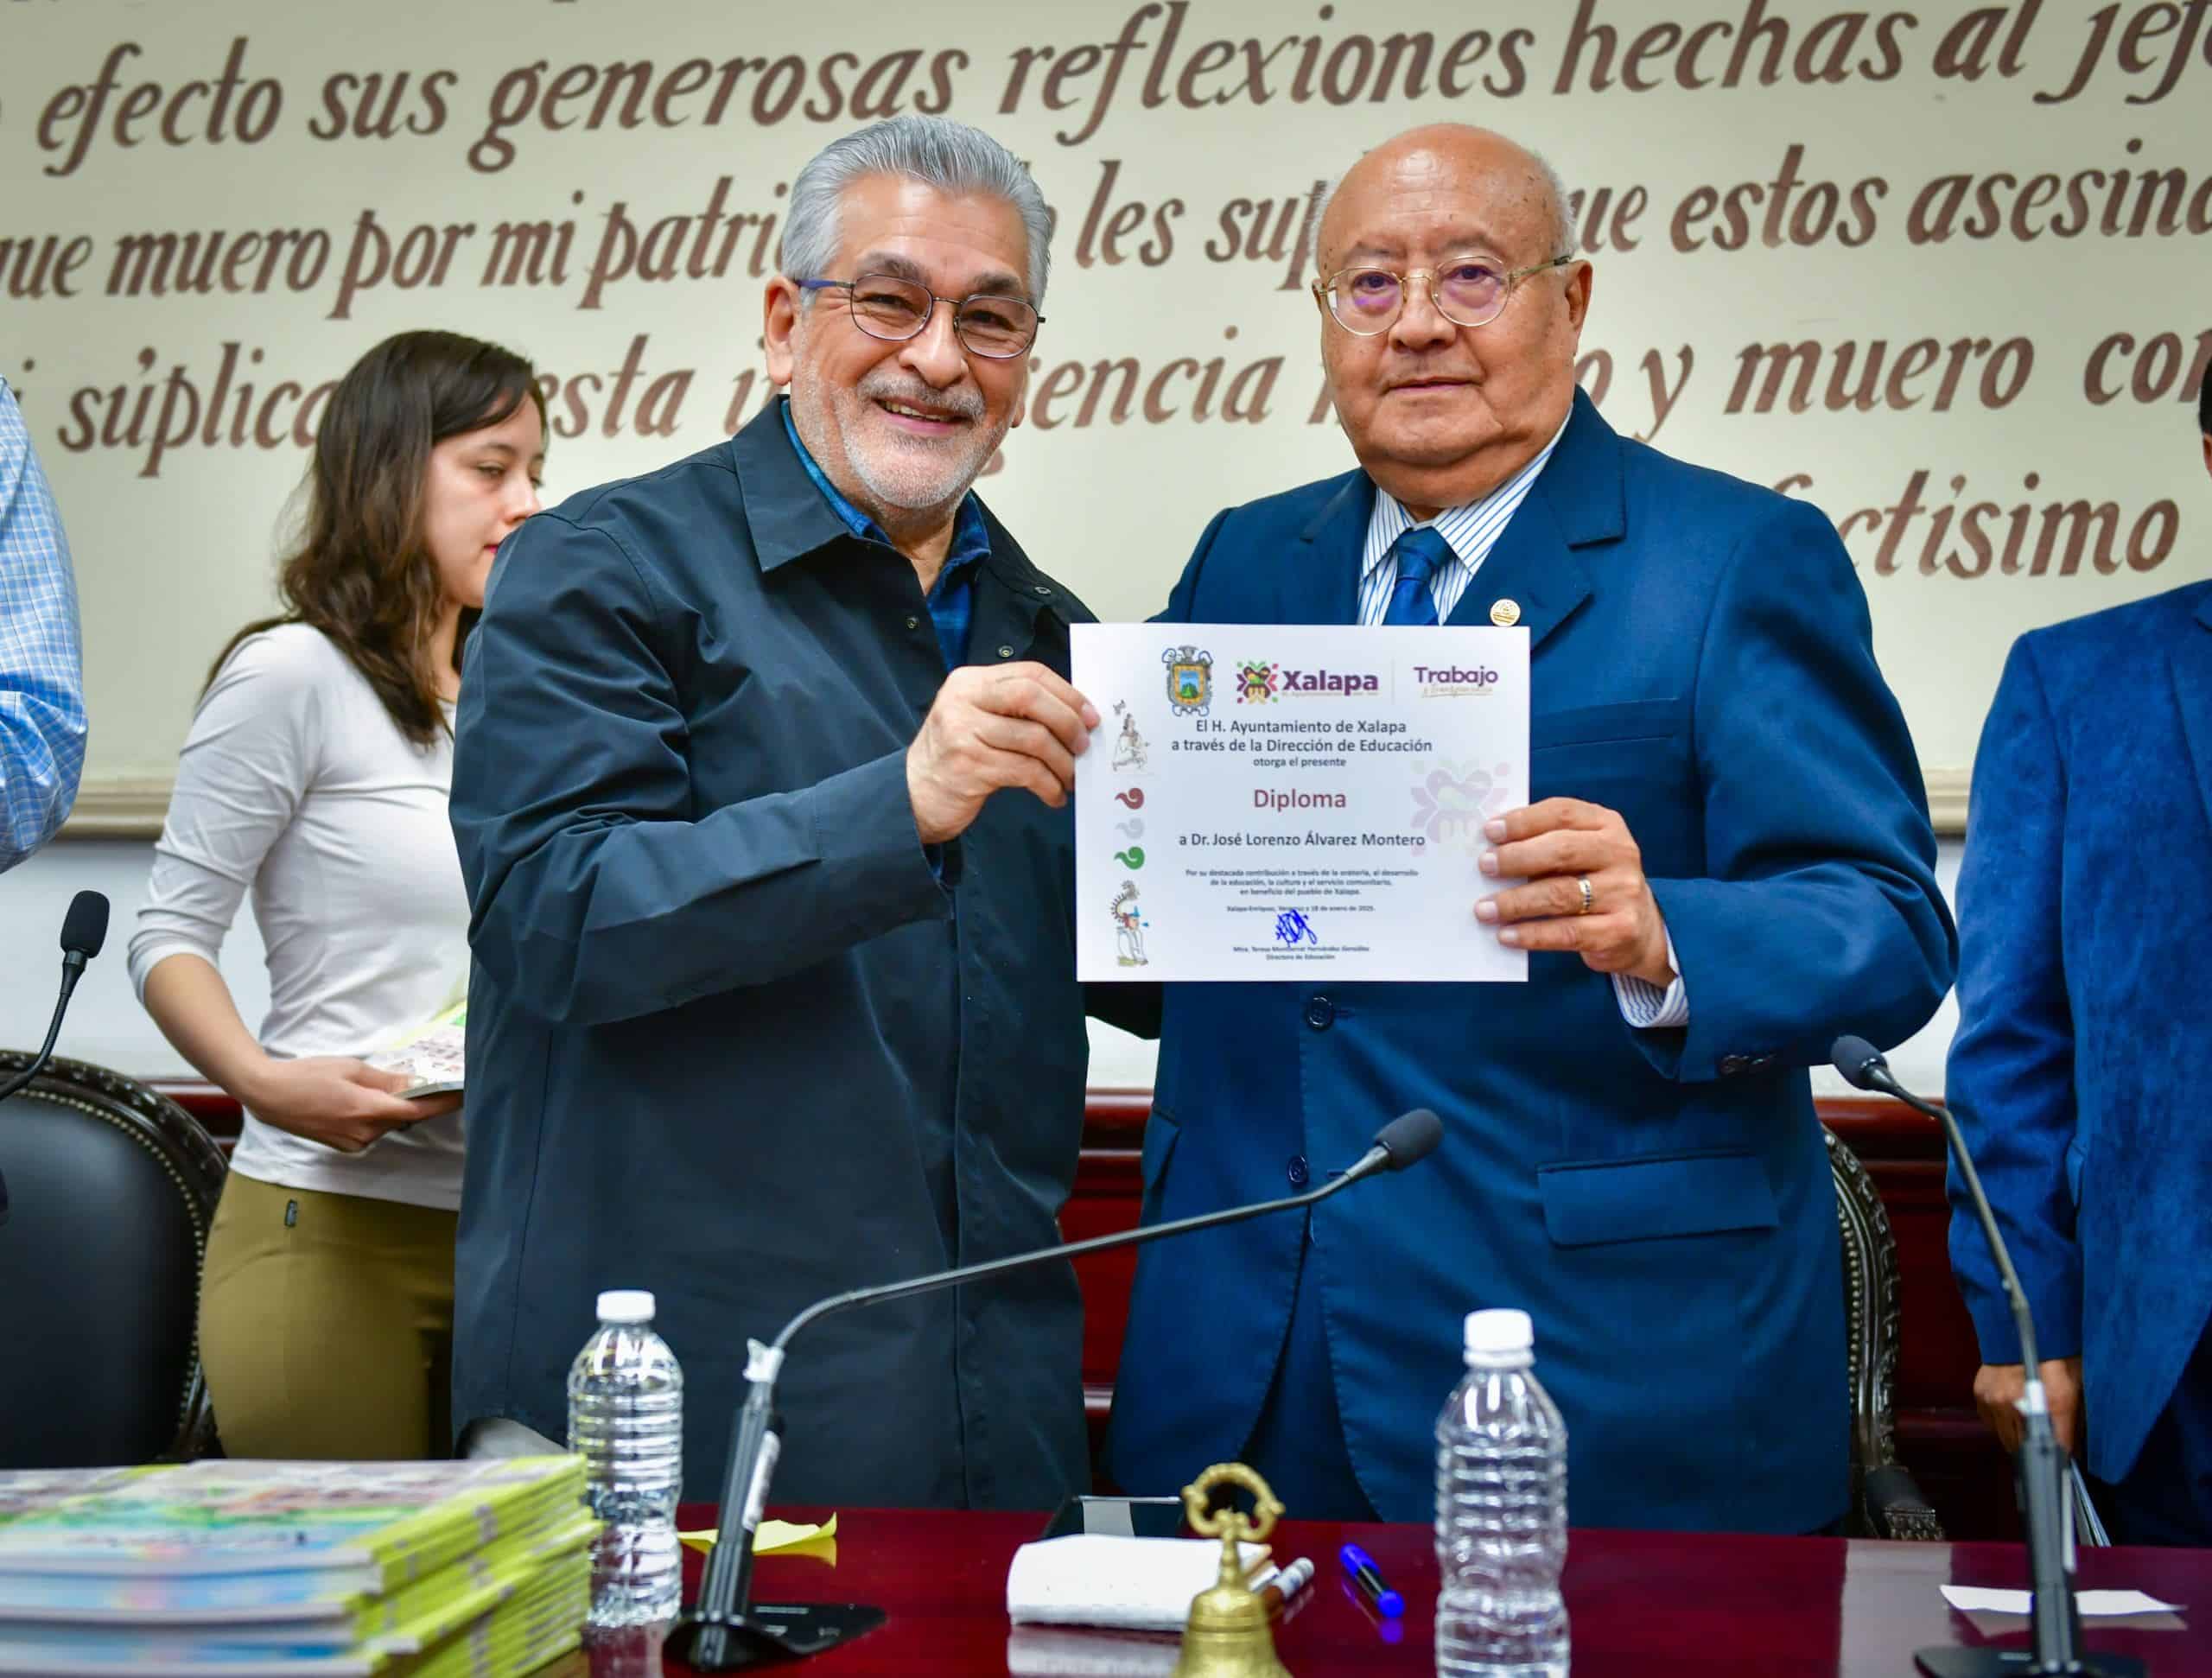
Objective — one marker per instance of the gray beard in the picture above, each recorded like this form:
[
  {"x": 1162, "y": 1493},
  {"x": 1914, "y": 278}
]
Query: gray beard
[
  {"x": 901, "y": 483},
  {"x": 913, "y": 478}
]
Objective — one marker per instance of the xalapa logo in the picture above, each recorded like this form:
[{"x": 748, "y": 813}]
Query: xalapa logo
[{"x": 1257, "y": 683}]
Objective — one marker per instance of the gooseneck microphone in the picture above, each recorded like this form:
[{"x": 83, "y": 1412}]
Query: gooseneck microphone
[
  {"x": 84, "y": 930},
  {"x": 726, "y": 1631},
  {"x": 1864, "y": 1068},
  {"x": 2055, "y": 1645}
]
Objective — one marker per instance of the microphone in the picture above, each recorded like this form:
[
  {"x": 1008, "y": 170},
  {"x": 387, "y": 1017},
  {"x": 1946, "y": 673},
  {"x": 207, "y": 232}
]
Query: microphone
[
  {"x": 726, "y": 1631},
  {"x": 84, "y": 930},
  {"x": 2041, "y": 1464}
]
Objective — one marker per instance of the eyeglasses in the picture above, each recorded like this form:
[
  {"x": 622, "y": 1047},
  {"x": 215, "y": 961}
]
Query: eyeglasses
[
  {"x": 884, "y": 305},
  {"x": 1465, "y": 290}
]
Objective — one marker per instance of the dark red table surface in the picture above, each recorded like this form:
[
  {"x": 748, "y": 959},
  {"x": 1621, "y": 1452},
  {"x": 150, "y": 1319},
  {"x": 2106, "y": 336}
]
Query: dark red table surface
[{"x": 1642, "y": 1603}]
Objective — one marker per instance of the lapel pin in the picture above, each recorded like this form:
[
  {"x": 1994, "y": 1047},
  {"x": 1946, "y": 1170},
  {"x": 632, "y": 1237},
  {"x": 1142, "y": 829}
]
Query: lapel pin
[{"x": 1505, "y": 613}]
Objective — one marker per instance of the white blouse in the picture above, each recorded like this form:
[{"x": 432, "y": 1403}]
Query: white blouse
[{"x": 295, "y": 783}]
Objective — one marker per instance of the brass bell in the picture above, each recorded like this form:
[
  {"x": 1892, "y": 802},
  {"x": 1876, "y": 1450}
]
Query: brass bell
[{"x": 1227, "y": 1635}]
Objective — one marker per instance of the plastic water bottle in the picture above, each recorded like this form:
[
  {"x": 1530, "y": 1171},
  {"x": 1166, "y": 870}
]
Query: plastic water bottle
[
  {"x": 626, "y": 1420},
  {"x": 1501, "y": 1512}
]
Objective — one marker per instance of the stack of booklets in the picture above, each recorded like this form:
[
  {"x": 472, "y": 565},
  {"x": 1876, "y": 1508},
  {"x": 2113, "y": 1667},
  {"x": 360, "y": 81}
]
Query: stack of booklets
[{"x": 269, "y": 1569}]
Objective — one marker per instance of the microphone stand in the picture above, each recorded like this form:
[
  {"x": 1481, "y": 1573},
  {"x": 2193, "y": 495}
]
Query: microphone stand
[
  {"x": 84, "y": 930},
  {"x": 2040, "y": 1464},
  {"x": 726, "y": 1631}
]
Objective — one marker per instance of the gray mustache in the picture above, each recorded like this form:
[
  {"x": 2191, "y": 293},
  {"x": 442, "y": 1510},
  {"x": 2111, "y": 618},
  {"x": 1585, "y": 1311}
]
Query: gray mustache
[{"x": 966, "y": 404}]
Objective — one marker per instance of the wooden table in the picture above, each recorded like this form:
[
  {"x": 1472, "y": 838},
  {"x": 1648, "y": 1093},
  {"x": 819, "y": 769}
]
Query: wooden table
[{"x": 1641, "y": 1602}]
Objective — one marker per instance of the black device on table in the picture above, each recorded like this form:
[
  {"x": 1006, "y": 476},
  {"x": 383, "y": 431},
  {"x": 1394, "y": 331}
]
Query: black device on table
[{"x": 1116, "y": 1517}]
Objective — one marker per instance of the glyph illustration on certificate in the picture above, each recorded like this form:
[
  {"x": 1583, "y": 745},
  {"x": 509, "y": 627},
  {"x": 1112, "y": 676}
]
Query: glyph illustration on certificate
[{"x": 1294, "y": 801}]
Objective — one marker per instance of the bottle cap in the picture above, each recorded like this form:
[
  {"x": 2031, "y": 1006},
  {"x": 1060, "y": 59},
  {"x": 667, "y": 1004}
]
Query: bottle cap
[
  {"x": 1505, "y": 1336},
  {"x": 629, "y": 1304}
]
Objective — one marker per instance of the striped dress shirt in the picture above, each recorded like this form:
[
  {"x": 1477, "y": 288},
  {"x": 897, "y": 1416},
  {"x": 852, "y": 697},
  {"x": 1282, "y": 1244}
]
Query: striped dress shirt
[
  {"x": 41, "y": 674},
  {"x": 1472, "y": 530}
]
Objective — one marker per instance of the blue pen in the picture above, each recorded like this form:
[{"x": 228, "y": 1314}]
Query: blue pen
[{"x": 1361, "y": 1565}]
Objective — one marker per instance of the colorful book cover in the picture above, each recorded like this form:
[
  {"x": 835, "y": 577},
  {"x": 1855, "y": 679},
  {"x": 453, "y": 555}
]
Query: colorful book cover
[
  {"x": 23, "y": 1491},
  {"x": 404, "y": 1619},
  {"x": 542, "y": 1616},
  {"x": 233, "y": 1536},
  {"x": 434, "y": 1055}
]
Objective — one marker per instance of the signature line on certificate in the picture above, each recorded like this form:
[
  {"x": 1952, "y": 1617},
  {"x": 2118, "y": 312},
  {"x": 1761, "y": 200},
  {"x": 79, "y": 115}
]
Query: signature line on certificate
[{"x": 1291, "y": 928}]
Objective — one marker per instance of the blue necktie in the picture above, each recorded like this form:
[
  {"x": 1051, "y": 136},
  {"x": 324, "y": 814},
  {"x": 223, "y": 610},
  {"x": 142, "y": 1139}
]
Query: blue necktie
[{"x": 1419, "y": 551}]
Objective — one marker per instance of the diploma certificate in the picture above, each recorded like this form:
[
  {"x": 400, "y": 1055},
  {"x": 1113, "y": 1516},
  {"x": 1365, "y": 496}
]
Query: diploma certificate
[{"x": 1265, "y": 801}]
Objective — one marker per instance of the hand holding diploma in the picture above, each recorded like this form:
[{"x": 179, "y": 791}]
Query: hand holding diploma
[
  {"x": 993, "y": 727},
  {"x": 1583, "y": 888}
]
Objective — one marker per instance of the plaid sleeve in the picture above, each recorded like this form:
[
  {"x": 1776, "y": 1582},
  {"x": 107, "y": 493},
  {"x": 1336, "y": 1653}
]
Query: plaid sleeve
[{"x": 42, "y": 678}]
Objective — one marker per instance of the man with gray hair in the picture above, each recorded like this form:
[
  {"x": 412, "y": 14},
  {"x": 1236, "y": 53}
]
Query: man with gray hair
[{"x": 762, "y": 794}]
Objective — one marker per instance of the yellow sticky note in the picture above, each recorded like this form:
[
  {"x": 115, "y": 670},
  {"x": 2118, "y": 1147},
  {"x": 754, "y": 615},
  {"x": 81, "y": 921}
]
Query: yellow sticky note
[{"x": 776, "y": 1538}]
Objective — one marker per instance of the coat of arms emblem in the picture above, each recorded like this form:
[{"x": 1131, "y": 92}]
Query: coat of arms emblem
[{"x": 1190, "y": 680}]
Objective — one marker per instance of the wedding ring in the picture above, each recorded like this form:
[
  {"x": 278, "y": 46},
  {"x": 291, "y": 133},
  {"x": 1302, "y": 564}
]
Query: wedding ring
[{"x": 1589, "y": 896}]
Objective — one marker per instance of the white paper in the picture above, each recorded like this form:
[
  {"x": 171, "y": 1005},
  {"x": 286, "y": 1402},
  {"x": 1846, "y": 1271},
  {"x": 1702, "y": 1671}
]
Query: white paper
[
  {"x": 1301, "y": 802},
  {"x": 1055, "y": 1651},
  {"x": 1093, "y": 1579},
  {"x": 1969, "y": 1599}
]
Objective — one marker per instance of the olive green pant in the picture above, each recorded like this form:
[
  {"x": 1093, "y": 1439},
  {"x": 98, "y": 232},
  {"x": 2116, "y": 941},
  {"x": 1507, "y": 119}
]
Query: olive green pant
[{"x": 326, "y": 1325}]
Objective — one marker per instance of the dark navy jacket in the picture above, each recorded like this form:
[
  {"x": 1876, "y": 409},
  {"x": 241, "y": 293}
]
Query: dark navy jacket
[
  {"x": 2083, "y": 1056},
  {"x": 1659, "y": 1201},
  {"x": 731, "y": 1039}
]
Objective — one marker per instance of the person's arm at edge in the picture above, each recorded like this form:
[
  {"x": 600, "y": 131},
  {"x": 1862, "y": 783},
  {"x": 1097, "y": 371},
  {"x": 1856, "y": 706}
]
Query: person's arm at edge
[
  {"x": 2010, "y": 1081},
  {"x": 42, "y": 721}
]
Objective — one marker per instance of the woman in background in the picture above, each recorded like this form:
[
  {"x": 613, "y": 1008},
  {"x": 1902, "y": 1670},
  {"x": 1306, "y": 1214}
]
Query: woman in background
[{"x": 315, "y": 775}]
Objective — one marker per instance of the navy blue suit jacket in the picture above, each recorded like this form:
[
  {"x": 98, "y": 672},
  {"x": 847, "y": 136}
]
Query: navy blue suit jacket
[
  {"x": 1659, "y": 1201},
  {"x": 2082, "y": 1058}
]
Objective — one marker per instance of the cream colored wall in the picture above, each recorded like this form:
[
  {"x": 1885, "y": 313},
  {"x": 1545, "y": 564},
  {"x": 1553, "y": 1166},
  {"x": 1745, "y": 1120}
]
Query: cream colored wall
[{"x": 173, "y": 539}]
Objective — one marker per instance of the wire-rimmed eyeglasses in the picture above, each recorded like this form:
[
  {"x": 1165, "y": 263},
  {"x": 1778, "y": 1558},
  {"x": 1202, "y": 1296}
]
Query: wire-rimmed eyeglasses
[
  {"x": 1465, "y": 290},
  {"x": 988, "y": 324}
]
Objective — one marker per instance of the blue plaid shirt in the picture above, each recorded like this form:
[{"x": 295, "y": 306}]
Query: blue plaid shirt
[
  {"x": 952, "y": 602},
  {"x": 41, "y": 673}
]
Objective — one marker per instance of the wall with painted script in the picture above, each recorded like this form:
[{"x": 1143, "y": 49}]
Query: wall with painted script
[{"x": 1940, "y": 271}]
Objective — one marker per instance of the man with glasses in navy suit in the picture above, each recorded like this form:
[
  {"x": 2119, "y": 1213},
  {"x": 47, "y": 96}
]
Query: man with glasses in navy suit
[{"x": 1726, "y": 862}]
